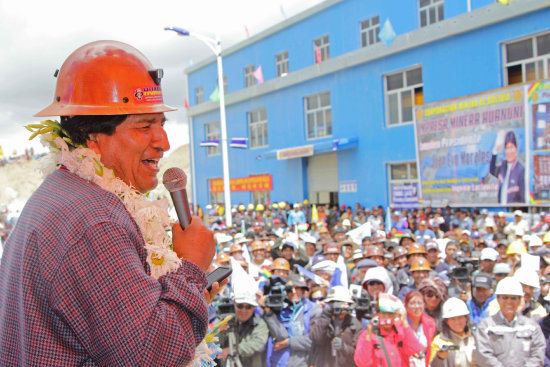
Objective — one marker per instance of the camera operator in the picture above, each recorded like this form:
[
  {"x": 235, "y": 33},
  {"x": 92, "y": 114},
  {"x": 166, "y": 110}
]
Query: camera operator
[
  {"x": 250, "y": 333},
  {"x": 388, "y": 340},
  {"x": 334, "y": 333},
  {"x": 482, "y": 295},
  {"x": 288, "y": 313}
]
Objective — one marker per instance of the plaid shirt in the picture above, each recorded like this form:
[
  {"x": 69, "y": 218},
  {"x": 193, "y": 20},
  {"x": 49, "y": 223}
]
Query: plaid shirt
[{"x": 75, "y": 288}]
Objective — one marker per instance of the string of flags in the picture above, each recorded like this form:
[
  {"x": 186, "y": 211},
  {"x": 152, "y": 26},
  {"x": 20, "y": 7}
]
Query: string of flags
[{"x": 387, "y": 34}]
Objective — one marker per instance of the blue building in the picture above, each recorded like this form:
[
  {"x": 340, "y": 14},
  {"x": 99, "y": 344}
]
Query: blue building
[{"x": 333, "y": 121}]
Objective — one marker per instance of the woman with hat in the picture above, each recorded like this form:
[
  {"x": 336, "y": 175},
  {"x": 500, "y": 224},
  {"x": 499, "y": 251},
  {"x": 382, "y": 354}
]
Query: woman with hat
[
  {"x": 388, "y": 340},
  {"x": 435, "y": 293},
  {"x": 455, "y": 345}
]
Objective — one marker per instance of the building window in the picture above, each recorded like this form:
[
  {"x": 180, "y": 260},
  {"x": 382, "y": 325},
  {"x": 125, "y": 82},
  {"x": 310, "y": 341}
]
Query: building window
[
  {"x": 403, "y": 184},
  {"x": 281, "y": 63},
  {"x": 527, "y": 60},
  {"x": 318, "y": 116},
  {"x": 261, "y": 197},
  {"x": 199, "y": 95},
  {"x": 431, "y": 11},
  {"x": 403, "y": 92},
  {"x": 215, "y": 197},
  {"x": 249, "y": 76},
  {"x": 212, "y": 133},
  {"x": 324, "y": 47},
  {"x": 257, "y": 128},
  {"x": 369, "y": 31}
]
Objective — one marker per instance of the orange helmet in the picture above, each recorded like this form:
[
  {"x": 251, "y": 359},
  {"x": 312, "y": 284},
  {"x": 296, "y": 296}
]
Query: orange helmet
[
  {"x": 373, "y": 251},
  {"x": 420, "y": 264},
  {"x": 235, "y": 247},
  {"x": 222, "y": 257},
  {"x": 257, "y": 245},
  {"x": 280, "y": 264},
  {"x": 416, "y": 248},
  {"x": 107, "y": 78}
]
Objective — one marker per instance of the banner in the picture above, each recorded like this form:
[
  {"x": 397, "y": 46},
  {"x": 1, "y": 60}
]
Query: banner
[
  {"x": 404, "y": 195},
  {"x": 539, "y": 125},
  {"x": 250, "y": 183},
  {"x": 472, "y": 150}
]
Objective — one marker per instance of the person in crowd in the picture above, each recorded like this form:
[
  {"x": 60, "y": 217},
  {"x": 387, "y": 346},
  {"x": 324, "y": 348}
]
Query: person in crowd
[
  {"x": 482, "y": 295},
  {"x": 415, "y": 252},
  {"x": 250, "y": 332},
  {"x": 361, "y": 269},
  {"x": 488, "y": 259},
  {"x": 519, "y": 224},
  {"x": 455, "y": 344},
  {"x": 509, "y": 338},
  {"x": 377, "y": 281},
  {"x": 420, "y": 270},
  {"x": 435, "y": 293},
  {"x": 287, "y": 250},
  {"x": 422, "y": 325},
  {"x": 258, "y": 261},
  {"x": 432, "y": 249},
  {"x": 423, "y": 233},
  {"x": 334, "y": 333},
  {"x": 388, "y": 340}
]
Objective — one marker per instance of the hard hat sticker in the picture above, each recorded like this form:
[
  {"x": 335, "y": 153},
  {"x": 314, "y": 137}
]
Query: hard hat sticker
[{"x": 150, "y": 94}]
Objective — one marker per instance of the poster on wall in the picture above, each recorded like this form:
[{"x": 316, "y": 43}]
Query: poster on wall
[
  {"x": 472, "y": 150},
  {"x": 539, "y": 126}
]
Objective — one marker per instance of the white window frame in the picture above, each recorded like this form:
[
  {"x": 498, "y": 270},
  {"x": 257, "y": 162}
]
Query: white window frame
[
  {"x": 323, "y": 44},
  {"x": 199, "y": 95},
  {"x": 249, "y": 79},
  {"x": 261, "y": 197},
  {"x": 541, "y": 62},
  {"x": 215, "y": 197},
  {"x": 212, "y": 132},
  {"x": 257, "y": 127},
  {"x": 412, "y": 177},
  {"x": 321, "y": 110},
  {"x": 433, "y": 5},
  {"x": 406, "y": 87},
  {"x": 369, "y": 34},
  {"x": 281, "y": 63}
]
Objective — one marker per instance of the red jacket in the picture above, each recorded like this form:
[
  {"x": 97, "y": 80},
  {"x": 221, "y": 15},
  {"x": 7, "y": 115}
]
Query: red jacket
[
  {"x": 400, "y": 342},
  {"x": 428, "y": 327}
]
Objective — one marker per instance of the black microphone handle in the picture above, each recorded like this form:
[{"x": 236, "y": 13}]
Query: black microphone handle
[{"x": 179, "y": 198}]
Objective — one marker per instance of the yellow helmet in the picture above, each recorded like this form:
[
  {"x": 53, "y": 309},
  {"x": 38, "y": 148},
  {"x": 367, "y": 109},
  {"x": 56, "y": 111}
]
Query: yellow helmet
[
  {"x": 259, "y": 208},
  {"x": 546, "y": 238},
  {"x": 275, "y": 206},
  {"x": 282, "y": 205},
  {"x": 250, "y": 207},
  {"x": 242, "y": 208},
  {"x": 306, "y": 201},
  {"x": 280, "y": 264},
  {"x": 516, "y": 247}
]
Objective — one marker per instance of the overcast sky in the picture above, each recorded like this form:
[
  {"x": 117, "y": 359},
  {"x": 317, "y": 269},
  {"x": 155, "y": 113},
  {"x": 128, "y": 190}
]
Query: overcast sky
[{"x": 37, "y": 36}]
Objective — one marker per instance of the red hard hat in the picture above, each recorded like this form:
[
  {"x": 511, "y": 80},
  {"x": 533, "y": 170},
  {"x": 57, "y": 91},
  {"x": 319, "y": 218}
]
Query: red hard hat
[{"x": 107, "y": 78}]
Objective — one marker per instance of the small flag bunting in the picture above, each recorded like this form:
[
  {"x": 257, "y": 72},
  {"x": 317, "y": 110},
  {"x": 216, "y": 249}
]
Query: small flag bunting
[
  {"x": 259, "y": 75},
  {"x": 210, "y": 143},
  {"x": 387, "y": 34},
  {"x": 318, "y": 58},
  {"x": 335, "y": 145},
  {"x": 215, "y": 96},
  {"x": 239, "y": 143},
  {"x": 186, "y": 104}
]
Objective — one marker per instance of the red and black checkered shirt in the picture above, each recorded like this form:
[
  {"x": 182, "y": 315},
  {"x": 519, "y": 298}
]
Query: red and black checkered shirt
[{"x": 75, "y": 288}]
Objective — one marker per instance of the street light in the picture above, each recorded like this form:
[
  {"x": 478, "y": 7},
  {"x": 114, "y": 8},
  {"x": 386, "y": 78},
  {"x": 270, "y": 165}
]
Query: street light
[{"x": 216, "y": 47}]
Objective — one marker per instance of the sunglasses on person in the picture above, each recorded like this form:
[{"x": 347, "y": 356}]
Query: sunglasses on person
[
  {"x": 512, "y": 298},
  {"x": 374, "y": 282},
  {"x": 430, "y": 294},
  {"x": 240, "y": 306}
]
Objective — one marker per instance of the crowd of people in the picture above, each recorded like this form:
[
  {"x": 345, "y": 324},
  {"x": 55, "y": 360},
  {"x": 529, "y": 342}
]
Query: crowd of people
[{"x": 343, "y": 286}]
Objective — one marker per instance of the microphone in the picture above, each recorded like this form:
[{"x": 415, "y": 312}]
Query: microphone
[{"x": 175, "y": 180}]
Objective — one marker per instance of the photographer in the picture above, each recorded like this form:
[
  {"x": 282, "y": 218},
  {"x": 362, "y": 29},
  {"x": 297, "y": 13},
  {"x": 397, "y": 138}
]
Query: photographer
[
  {"x": 288, "y": 314},
  {"x": 334, "y": 333},
  {"x": 250, "y": 333},
  {"x": 388, "y": 340},
  {"x": 455, "y": 345}
]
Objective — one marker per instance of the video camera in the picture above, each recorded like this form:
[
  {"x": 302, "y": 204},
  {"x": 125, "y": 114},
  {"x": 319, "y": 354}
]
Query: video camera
[
  {"x": 463, "y": 273},
  {"x": 364, "y": 306},
  {"x": 448, "y": 347},
  {"x": 340, "y": 308},
  {"x": 225, "y": 307},
  {"x": 276, "y": 290}
]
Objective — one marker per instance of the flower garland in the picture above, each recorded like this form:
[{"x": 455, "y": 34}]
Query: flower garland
[{"x": 151, "y": 216}]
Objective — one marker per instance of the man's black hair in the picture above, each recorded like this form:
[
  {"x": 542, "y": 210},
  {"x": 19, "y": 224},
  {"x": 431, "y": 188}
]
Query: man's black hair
[{"x": 79, "y": 128}]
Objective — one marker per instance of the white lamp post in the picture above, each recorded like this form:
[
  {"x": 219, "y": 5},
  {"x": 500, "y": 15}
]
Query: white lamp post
[{"x": 216, "y": 47}]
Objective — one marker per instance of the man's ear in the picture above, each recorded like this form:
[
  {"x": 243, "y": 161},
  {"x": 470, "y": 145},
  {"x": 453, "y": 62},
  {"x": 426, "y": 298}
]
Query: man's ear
[{"x": 92, "y": 143}]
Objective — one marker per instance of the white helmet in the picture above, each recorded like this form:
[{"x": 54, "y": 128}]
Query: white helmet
[
  {"x": 509, "y": 286},
  {"x": 528, "y": 277},
  {"x": 454, "y": 307},
  {"x": 339, "y": 293}
]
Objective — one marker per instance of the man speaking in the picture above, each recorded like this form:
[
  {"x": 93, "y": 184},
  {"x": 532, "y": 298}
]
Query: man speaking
[{"x": 88, "y": 276}]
